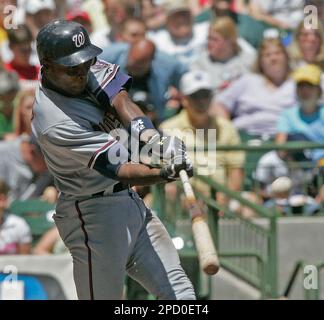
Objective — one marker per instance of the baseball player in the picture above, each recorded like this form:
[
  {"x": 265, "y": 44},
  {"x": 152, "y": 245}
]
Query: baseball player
[{"x": 103, "y": 222}]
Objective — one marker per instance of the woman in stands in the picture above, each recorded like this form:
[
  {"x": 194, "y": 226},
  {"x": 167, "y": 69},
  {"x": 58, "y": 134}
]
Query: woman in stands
[
  {"x": 308, "y": 46},
  {"x": 255, "y": 101}
]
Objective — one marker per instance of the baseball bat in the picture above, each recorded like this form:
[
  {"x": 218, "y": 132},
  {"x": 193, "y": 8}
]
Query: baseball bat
[{"x": 207, "y": 253}]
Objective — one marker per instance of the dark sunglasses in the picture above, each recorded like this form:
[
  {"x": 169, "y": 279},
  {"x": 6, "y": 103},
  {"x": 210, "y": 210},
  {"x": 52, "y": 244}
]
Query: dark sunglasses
[{"x": 203, "y": 94}]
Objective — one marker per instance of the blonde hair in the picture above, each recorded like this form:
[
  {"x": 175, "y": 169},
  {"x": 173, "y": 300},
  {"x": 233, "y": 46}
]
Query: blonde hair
[
  {"x": 19, "y": 123},
  {"x": 226, "y": 27},
  {"x": 264, "y": 45},
  {"x": 294, "y": 49}
]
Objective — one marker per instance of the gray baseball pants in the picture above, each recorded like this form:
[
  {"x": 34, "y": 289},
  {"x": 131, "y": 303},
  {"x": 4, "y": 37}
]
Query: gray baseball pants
[{"x": 112, "y": 235}]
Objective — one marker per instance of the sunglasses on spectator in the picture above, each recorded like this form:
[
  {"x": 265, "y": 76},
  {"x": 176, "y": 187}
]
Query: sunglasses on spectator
[{"x": 203, "y": 94}]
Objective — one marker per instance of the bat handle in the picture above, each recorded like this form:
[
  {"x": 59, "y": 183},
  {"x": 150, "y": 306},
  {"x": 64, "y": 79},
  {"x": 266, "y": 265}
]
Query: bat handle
[{"x": 186, "y": 185}]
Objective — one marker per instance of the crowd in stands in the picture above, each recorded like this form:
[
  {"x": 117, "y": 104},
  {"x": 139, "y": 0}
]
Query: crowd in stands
[{"x": 250, "y": 70}]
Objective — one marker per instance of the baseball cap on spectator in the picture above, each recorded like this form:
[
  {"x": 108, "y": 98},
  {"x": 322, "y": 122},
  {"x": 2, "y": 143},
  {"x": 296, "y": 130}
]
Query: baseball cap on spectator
[
  {"x": 172, "y": 6},
  {"x": 34, "y": 6},
  {"x": 75, "y": 14},
  {"x": 9, "y": 82},
  {"x": 309, "y": 73},
  {"x": 194, "y": 81}
]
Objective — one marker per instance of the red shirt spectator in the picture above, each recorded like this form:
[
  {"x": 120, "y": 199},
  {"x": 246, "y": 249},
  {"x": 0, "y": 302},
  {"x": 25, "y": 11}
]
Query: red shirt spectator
[{"x": 24, "y": 72}]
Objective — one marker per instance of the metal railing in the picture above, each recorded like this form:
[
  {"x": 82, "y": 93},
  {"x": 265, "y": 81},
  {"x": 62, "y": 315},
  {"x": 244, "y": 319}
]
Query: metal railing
[{"x": 246, "y": 248}]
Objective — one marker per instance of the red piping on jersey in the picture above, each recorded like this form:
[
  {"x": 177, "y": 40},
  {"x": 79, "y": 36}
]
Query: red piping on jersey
[
  {"x": 113, "y": 73},
  {"x": 99, "y": 151},
  {"x": 86, "y": 240}
]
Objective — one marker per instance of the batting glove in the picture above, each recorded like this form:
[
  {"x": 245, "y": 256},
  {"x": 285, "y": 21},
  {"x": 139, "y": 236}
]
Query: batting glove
[
  {"x": 171, "y": 171},
  {"x": 162, "y": 150}
]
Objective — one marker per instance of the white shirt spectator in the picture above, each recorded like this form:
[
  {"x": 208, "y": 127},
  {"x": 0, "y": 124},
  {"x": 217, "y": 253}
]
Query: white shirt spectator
[
  {"x": 186, "y": 51},
  {"x": 13, "y": 231},
  {"x": 222, "y": 74},
  {"x": 254, "y": 105}
]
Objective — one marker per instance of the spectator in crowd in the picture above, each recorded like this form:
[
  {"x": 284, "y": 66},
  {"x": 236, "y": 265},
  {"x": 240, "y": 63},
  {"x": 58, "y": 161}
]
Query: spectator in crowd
[
  {"x": 224, "y": 167},
  {"x": 181, "y": 38},
  {"x": 20, "y": 44},
  {"x": 217, "y": 8},
  {"x": 153, "y": 14},
  {"x": 23, "y": 112},
  {"x": 255, "y": 101},
  {"x": 224, "y": 59},
  {"x": 50, "y": 243},
  {"x": 3, "y": 31},
  {"x": 306, "y": 118},
  {"x": 95, "y": 10},
  {"x": 153, "y": 71},
  {"x": 15, "y": 235},
  {"x": 81, "y": 17},
  {"x": 117, "y": 12},
  {"x": 197, "y": 6},
  {"x": 133, "y": 30},
  {"x": 307, "y": 46},
  {"x": 9, "y": 87},
  {"x": 278, "y": 13},
  {"x": 249, "y": 29},
  {"x": 23, "y": 168},
  {"x": 38, "y": 14}
]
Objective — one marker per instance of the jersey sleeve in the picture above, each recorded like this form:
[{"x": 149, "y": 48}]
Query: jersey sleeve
[
  {"x": 84, "y": 147},
  {"x": 106, "y": 81}
]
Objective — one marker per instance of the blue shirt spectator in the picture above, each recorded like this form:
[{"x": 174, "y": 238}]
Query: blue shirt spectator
[
  {"x": 307, "y": 117},
  {"x": 163, "y": 71}
]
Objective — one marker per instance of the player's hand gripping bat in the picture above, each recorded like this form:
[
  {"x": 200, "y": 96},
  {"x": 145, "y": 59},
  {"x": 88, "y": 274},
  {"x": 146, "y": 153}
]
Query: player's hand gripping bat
[{"x": 207, "y": 254}]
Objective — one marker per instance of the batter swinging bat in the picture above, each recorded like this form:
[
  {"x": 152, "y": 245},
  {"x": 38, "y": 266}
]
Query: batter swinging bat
[{"x": 207, "y": 255}]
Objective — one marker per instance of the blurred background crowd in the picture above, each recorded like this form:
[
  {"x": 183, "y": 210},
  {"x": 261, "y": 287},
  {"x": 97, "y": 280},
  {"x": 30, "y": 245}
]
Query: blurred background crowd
[{"x": 252, "y": 70}]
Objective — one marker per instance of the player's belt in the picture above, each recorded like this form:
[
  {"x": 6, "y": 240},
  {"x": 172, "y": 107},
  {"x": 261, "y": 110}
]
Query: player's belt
[{"x": 117, "y": 188}]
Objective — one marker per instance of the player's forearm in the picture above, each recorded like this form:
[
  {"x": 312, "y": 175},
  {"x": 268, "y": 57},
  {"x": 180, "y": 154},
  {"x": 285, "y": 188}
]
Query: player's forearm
[
  {"x": 138, "y": 174},
  {"x": 126, "y": 109}
]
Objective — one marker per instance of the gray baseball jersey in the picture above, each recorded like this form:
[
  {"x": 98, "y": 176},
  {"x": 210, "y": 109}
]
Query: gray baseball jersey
[
  {"x": 71, "y": 131},
  {"x": 108, "y": 233}
]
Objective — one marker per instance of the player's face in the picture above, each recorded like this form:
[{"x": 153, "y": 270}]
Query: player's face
[{"x": 72, "y": 80}]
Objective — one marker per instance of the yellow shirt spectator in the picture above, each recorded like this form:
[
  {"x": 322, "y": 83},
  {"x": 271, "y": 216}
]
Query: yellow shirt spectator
[{"x": 216, "y": 164}]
